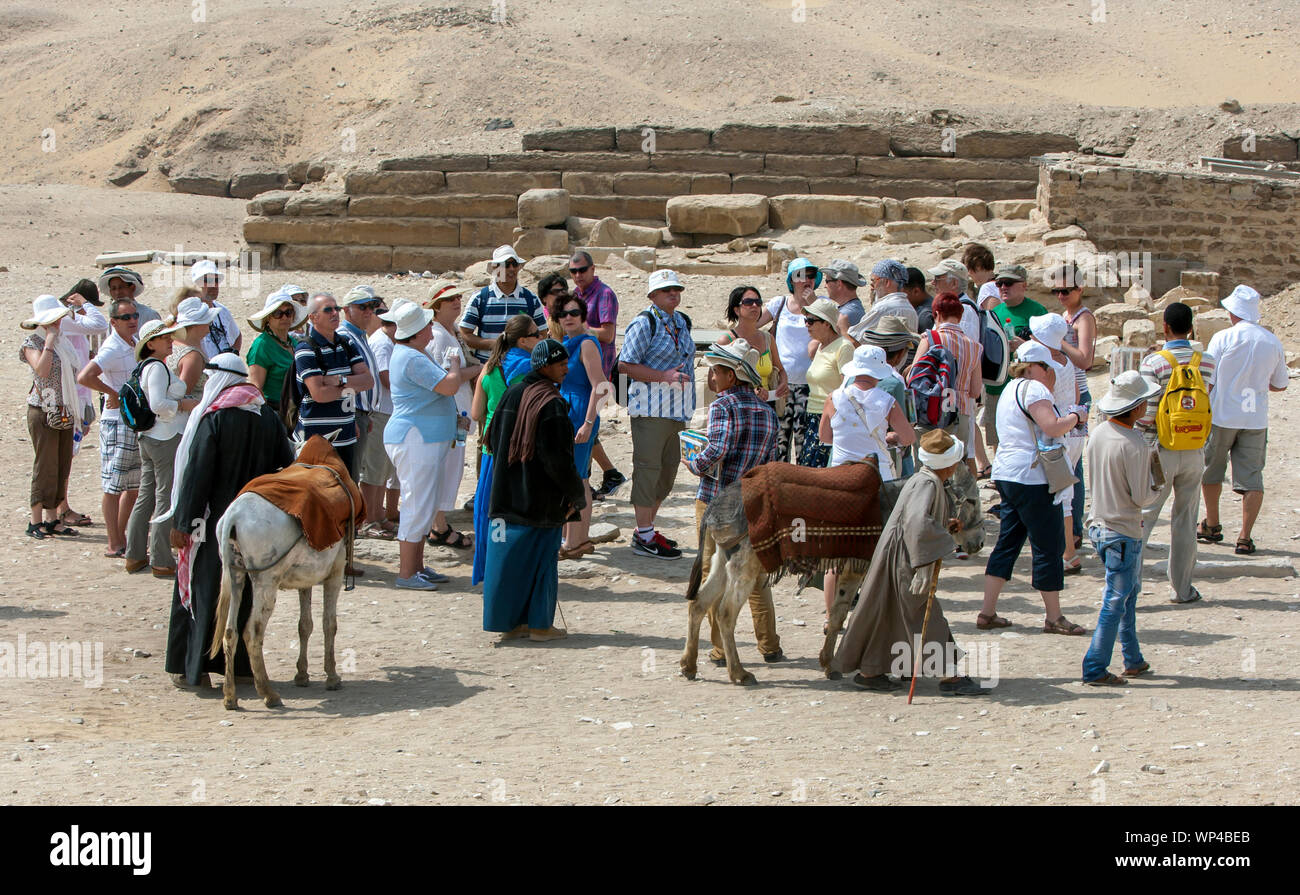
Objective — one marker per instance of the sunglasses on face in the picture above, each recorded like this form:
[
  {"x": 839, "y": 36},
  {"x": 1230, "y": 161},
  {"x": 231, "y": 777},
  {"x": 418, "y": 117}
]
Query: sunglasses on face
[
  {"x": 368, "y": 305},
  {"x": 809, "y": 321},
  {"x": 572, "y": 312},
  {"x": 1007, "y": 284},
  {"x": 1062, "y": 291},
  {"x": 135, "y": 316},
  {"x": 751, "y": 302},
  {"x": 282, "y": 312},
  {"x": 805, "y": 277},
  {"x": 510, "y": 263},
  {"x": 583, "y": 269},
  {"x": 535, "y": 334},
  {"x": 332, "y": 309}
]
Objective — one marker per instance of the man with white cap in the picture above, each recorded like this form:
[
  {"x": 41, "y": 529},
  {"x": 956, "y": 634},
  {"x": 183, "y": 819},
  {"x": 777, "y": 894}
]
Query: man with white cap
[
  {"x": 119, "y": 448},
  {"x": 742, "y": 434},
  {"x": 888, "y": 280},
  {"x": 658, "y": 356},
  {"x": 123, "y": 282},
  {"x": 892, "y": 608},
  {"x": 842, "y": 282},
  {"x": 223, "y": 333},
  {"x": 1251, "y": 363},
  {"x": 1120, "y": 481},
  {"x": 497, "y": 302}
]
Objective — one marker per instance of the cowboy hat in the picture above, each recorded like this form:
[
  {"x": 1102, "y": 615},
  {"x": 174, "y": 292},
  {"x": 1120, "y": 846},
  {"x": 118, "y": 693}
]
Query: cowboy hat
[
  {"x": 939, "y": 450},
  {"x": 738, "y": 356},
  {"x": 276, "y": 300},
  {"x": 152, "y": 330},
  {"x": 1128, "y": 390},
  {"x": 126, "y": 275},
  {"x": 46, "y": 309},
  {"x": 409, "y": 317},
  {"x": 868, "y": 360}
]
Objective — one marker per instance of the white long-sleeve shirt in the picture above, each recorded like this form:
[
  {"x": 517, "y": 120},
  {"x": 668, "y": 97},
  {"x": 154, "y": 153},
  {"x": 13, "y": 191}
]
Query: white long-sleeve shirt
[
  {"x": 164, "y": 392},
  {"x": 79, "y": 326}
]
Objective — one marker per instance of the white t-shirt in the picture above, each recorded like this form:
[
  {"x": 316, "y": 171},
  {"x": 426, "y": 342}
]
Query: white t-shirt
[
  {"x": 382, "y": 348},
  {"x": 443, "y": 342},
  {"x": 1250, "y": 359},
  {"x": 115, "y": 360},
  {"x": 1017, "y": 435},
  {"x": 852, "y": 439},
  {"x": 970, "y": 325},
  {"x": 224, "y": 325},
  {"x": 791, "y": 340}
]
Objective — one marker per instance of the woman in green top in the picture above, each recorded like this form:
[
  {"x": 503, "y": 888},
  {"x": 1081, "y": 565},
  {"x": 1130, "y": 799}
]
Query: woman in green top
[
  {"x": 508, "y": 361},
  {"x": 271, "y": 354}
]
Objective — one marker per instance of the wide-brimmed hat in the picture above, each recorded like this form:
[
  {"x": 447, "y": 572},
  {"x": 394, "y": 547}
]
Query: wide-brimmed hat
[
  {"x": 739, "y": 356},
  {"x": 409, "y": 317},
  {"x": 868, "y": 360},
  {"x": 844, "y": 271},
  {"x": 1037, "y": 353},
  {"x": 87, "y": 290},
  {"x": 1050, "y": 329},
  {"x": 662, "y": 279},
  {"x": 1243, "y": 302},
  {"x": 123, "y": 273},
  {"x": 939, "y": 450},
  {"x": 292, "y": 289},
  {"x": 797, "y": 265},
  {"x": 949, "y": 267},
  {"x": 502, "y": 254},
  {"x": 824, "y": 309},
  {"x": 152, "y": 330},
  {"x": 441, "y": 290},
  {"x": 1127, "y": 390},
  {"x": 889, "y": 332},
  {"x": 274, "y": 302},
  {"x": 194, "y": 311},
  {"x": 46, "y": 309},
  {"x": 205, "y": 267}
]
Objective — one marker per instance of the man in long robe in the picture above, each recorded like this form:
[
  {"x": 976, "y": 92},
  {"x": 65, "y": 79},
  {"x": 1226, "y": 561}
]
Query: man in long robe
[
  {"x": 885, "y": 628},
  {"x": 535, "y": 490},
  {"x": 232, "y": 438}
]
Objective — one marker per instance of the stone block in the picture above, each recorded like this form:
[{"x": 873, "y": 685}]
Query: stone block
[
  {"x": 810, "y": 165},
  {"x": 247, "y": 184},
  {"x": 1209, "y": 321},
  {"x": 633, "y": 139},
  {"x": 1111, "y": 318},
  {"x": 893, "y": 208},
  {"x": 271, "y": 203},
  {"x": 638, "y": 235},
  {"x": 779, "y": 255},
  {"x": 708, "y": 162},
  {"x": 352, "y": 231},
  {"x": 640, "y": 256},
  {"x": 1011, "y": 209},
  {"x": 438, "y": 259},
  {"x": 568, "y": 161},
  {"x": 498, "y": 182},
  {"x": 200, "y": 184},
  {"x": 1201, "y": 282},
  {"x": 316, "y": 204},
  {"x": 905, "y": 232},
  {"x": 769, "y": 184},
  {"x": 714, "y": 183},
  {"x": 585, "y": 183},
  {"x": 450, "y": 162},
  {"x": 843, "y": 139},
  {"x": 625, "y": 208},
  {"x": 264, "y": 253},
  {"x": 362, "y": 259},
  {"x": 442, "y": 205},
  {"x": 1269, "y": 147},
  {"x": 919, "y": 140},
  {"x": 787, "y": 212},
  {"x": 486, "y": 231},
  {"x": 948, "y": 209},
  {"x": 570, "y": 139},
  {"x": 1138, "y": 334},
  {"x": 878, "y": 187},
  {"x": 400, "y": 183},
  {"x": 606, "y": 232},
  {"x": 542, "y": 208},
  {"x": 579, "y": 228},
  {"x": 535, "y": 241},
  {"x": 1012, "y": 144},
  {"x": 735, "y": 214},
  {"x": 948, "y": 168},
  {"x": 652, "y": 184},
  {"x": 989, "y": 190}
]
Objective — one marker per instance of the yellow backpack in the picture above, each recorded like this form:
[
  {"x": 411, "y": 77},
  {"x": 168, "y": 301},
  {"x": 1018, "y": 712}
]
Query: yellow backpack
[{"x": 1183, "y": 415}]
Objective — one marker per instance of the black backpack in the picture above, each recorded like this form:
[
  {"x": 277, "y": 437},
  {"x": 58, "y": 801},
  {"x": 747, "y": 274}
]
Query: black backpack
[
  {"x": 622, "y": 382},
  {"x": 291, "y": 394},
  {"x": 136, "y": 412}
]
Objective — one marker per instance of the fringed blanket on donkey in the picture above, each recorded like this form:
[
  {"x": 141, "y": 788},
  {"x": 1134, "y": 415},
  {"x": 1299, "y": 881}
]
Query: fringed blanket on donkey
[
  {"x": 806, "y": 520},
  {"x": 317, "y": 491}
]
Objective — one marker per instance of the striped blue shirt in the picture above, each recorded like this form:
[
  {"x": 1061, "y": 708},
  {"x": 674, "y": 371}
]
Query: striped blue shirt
[
  {"x": 323, "y": 417},
  {"x": 491, "y": 308}
]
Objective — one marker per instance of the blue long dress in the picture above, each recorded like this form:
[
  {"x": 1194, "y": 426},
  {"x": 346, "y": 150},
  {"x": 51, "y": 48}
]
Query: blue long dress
[
  {"x": 515, "y": 364},
  {"x": 576, "y": 389}
]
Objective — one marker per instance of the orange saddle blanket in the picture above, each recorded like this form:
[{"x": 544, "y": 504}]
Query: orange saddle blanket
[{"x": 317, "y": 491}]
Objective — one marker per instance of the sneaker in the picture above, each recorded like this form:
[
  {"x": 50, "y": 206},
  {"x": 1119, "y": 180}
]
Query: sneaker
[
  {"x": 415, "y": 582},
  {"x": 658, "y": 546},
  {"x": 429, "y": 574},
  {"x": 611, "y": 481}
]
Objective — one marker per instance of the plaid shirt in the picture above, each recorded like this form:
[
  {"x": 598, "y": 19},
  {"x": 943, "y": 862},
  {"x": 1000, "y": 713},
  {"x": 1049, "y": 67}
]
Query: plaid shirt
[
  {"x": 670, "y": 348},
  {"x": 742, "y": 434}
]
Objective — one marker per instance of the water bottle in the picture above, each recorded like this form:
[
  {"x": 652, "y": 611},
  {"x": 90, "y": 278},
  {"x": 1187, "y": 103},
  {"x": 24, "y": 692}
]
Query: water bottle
[{"x": 462, "y": 432}]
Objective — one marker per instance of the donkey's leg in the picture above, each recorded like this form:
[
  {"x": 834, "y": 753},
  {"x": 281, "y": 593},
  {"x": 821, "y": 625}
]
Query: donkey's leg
[
  {"x": 230, "y": 637},
  {"x": 709, "y": 592},
  {"x": 848, "y": 585},
  {"x": 264, "y": 590},
  {"x": 743, "y": 575},
  {"x": 330, "y": 620},
  {"x": 304, "y": 634}
]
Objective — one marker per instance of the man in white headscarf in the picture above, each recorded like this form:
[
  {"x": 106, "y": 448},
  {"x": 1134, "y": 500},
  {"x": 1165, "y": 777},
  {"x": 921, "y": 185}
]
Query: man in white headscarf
[{"x": 232, "y": 437}]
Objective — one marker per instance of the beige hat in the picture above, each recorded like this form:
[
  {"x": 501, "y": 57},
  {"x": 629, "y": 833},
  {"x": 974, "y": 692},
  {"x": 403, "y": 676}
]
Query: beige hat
[
  {"x": 276, "y": 300},
  {"x": 443, "y": 289},
  {"x": 889, "y": 332},
  {"x": 738, "y": 356},
  {"x": 949, "y": 267},
  {"x": 46, "y": 309},
  {"x": 1128, "y": 389},
  {"x": 824, "y": 309},
  {"x": 152, "y": 330}
]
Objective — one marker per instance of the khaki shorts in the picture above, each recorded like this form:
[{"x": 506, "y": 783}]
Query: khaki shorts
[
  {"x": 991, "y": 419},
  {"x": 656, "y": 454},
  {"x": 1248, "y": 449},
  {"x": 376, "y": 467}
]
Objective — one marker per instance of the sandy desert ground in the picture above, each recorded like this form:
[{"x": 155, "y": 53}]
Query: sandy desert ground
[{"x": 432, "y": 711}]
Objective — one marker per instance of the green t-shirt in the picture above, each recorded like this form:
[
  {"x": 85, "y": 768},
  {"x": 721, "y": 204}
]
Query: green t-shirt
[
  {"x": 1013, "y": 318},
  {"x": 494, "y": 386},
  {"x": 276, "y": 359}
]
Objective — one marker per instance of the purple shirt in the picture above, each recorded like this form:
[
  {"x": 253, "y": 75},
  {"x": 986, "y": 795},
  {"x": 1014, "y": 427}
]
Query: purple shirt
[{"x": 602, "y": 308}]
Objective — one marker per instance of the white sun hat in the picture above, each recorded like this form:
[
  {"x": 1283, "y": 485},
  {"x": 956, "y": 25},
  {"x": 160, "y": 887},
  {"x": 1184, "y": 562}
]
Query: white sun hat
[
  {"x": 868, "y": 360},
  {"x": 1243, "y": 302},
  {"x": 663, "y": 279},
  {"x": 1037, "y": 353},
  {"x": 194, "y": 311},
  {"x": 1129, "y": 389},
  {"x": 276, "y": 300},
  {"x": 125, "y": 274},
  {"x": 504, "y": 253},
  {"x": 46, "y": 309},
  {"x": 409, "y": 317},
  {"x": 1050, "y": 329},
  {"x": 205, "y": 267}
]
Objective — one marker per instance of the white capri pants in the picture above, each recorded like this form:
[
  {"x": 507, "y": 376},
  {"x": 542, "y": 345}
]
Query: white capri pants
[
  {"x": 453, "y": 470},
  {"x": 419, "y": 468}
]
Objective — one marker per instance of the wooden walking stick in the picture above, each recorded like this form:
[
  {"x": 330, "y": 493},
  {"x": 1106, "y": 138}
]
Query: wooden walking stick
[{"x": 925, "y": 623}]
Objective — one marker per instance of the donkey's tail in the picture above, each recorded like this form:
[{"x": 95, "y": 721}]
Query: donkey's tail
[{"x": 226, "y": 545}]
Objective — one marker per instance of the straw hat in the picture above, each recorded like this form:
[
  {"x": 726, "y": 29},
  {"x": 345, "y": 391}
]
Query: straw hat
[
  {"x": 276, "y": 300},
  {"x": 824, "y": 309},
  {"x": 444, "y": 289},
  {"x": 939, "y": 450},
  {"x": 152, "y": 330},
  {"x": 126, "y": 275},
  {"x": 739, "y": 356},
  {"x": 46, "y": 309},
  {"x": 1128, "y": 390},
  {"x": 409, "y": 317}
]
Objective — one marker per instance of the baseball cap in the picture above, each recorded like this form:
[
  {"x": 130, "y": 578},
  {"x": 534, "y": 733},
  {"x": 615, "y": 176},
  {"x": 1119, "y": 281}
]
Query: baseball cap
[
  {"x": 949, "y": 267},
  {"x": 1011, "y": 272}
]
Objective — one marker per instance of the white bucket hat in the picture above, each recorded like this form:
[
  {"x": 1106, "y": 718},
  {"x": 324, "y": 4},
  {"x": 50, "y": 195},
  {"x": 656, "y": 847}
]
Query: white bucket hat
[
  {"x": 292, "y": 289},
  {"x": 125, "y": 274},
  {"x": 194, "y": 311},
  {"x": 205, "y": 267},
  {"x": 276, "y": 300},
  {"x": 939, "y": 450},
  {"x": 868, "y": 360},
  {"x": 1036, "y": 353},
  {"x": 152, "y": 330},
  {"x": 503, "y": 254},
  {"x": 738, "y": 356},
  {"x": 1128, "y": 389},
  {"x": 1050, "y": 329},
  {"x": 46, "y": 309},
  {"x": 663, "y": 279},
  {"x": 409, "y": 317},
  {"x": 1243, "y": 302}
]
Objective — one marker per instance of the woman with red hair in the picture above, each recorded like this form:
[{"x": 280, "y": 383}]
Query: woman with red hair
[{"x": 947, "y": 309}]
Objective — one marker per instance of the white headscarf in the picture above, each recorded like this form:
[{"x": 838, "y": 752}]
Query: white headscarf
[{"x": 225, "y": 370}]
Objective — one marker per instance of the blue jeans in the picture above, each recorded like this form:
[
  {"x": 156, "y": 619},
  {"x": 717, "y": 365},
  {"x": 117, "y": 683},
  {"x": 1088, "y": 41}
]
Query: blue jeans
[{"x": 1123, "y": 558}]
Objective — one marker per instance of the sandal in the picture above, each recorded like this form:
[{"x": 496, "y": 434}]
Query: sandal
[
  {"x": 36, "y": 530},
  {"x": 1064, "y": 626},
  {"x": 987, "y": 622},
  {"x": 1074, "y": 568},
  {"x": 450, "y": 538},
  {"x": 1110, "y": 680},
  {"x": 1144, "y": 668},
  {"x": 985, "y": 472},
  {"x": 1245, "y": 547},
  {"x": 115, "y": 554},
  {"x": 1210, "y": 534},
  {"x": 377, "y": 531},
  {"x": 72, "y": 517},
  {"x": 54, "y": 527}
]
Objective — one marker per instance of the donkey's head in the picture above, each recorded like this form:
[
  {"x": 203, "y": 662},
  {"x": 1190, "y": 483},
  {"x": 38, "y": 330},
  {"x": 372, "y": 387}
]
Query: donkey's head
[{"x": 963, "y": 494}]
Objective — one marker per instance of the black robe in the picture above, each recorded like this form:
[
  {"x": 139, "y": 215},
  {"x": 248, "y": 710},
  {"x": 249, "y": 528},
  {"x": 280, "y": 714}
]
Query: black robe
[
  {"x": 545, "y": 491},
  {"x": 231, "y": 447}
]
